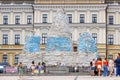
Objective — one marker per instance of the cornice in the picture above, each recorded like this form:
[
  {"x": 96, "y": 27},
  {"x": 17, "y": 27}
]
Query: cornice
[
  {"x": 15, "y": 26},
  {"x": 71, "y": 7},
  {"x": 113, "y": 8},
  {"x": 16, "y": 8}
]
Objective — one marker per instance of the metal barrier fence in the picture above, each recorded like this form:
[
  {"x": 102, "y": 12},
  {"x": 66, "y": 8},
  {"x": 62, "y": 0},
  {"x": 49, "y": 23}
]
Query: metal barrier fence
[{"x": 14, "y": 70}]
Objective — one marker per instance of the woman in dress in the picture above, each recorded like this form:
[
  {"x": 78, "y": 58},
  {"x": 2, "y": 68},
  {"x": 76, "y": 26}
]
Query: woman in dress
[{"x": 20, "y": 70}]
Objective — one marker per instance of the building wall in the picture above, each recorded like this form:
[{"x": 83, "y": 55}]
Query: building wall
[{"x": 102, "y": 28}]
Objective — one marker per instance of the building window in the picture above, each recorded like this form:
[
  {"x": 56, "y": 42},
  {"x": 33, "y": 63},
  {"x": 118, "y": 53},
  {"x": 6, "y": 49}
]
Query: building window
[
  {"x": 69, "y": 18},
  {"x": 5, "y": 39},
  {"x": 82, "y": 18},
  {"x": 4, "y": 58},
  {"x": 110, "y": 56},
  {"x": 94, "y": 35},
  {"x": 111, "y": 20},
  {"x": 94, "y": 18},
  {"x": 44, "y": 18},
  {"x": 17, "y": 19},
  {"x": 5, "y": 19},
  {"x": 71, "y": 35},
  {"x": 110, "y": 39},
  {"x": 44, "y": 38},
  {"x": 16, "y": 58},
  {"x": 29, "y": 19},
  {"x": 17, "y": 39}
]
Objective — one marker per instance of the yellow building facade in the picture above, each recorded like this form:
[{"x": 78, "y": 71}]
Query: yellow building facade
[{"x": 19, "y": 17}]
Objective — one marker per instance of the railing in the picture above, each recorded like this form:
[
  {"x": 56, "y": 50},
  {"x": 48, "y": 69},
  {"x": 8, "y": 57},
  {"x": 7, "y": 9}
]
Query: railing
[
  {"x": 73, "y": 24},
  {"x": 49, "y": 70}
]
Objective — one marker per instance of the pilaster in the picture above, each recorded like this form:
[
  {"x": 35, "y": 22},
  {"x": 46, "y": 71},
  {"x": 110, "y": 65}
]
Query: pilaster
[
  {"x": 75, "y": 16},
  {"x": 51, "y": 16},
  {"x": 23, "y": 36},
  {"x": 12, "y": 18},
  {"x": 24, "y": 18},
  {"x": 116, "y": 36},
  {"x": 117, "y": 17},
  {"x": 0, "y": 37},
  {"x": 11, "y": 36},
  {"x": 88, "y": 16},
  {"x": 100, "y": 36}
]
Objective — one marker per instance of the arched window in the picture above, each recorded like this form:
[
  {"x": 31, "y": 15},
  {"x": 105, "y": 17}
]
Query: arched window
[
  {"x": 4, "y": 58},
  {"x": 16, "y": 58}
]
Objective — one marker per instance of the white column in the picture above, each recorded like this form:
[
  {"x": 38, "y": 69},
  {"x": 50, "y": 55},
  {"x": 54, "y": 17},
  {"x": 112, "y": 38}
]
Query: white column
[
  {"x": 88, "y": 15},
  {"x": 23, "y": 36},
  {"x": 100, "y": 17},
  {"x": 0, "y": 37},
  {"x": 38, "y": 17},
  {"x": 116, "y": 37},
  {"x": 35, "y": 16},
  {"x": 0, "y": 18},
  {"x": 75, "y": 35},
  {"x": 38, "y": 31},
  {"x": 12, "y": 18},
  {"x": 11, "y": 37},
  {"x": 103, "y": 16},
  {"x": 75, "y": 16},
  {"x": 51, "y": 16},
  {"x": 100, "y": 36},
  {"x": 23, "y": 18},
  {"x": 104, "y": 36},
  {"x": 117, "y": 18},
  {"x": 11, "y": 59}
]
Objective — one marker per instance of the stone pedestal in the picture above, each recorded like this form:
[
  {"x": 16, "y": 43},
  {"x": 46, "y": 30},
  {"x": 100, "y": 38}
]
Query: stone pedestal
[{"x": 58, "y": 58}]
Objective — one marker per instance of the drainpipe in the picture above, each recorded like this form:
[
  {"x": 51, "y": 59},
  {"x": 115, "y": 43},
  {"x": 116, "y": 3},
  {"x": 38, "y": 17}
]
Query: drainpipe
[
  {"x": 106, "y": 32},
  {"x": 33, "y": 16}
]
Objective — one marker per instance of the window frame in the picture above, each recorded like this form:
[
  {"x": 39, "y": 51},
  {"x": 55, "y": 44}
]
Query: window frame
[
  {"x": 94, "y": 36},
  {"x": 111, "y": 19},
  {"x": 69, "y": 18},
  {"x": 94, "y": 18},
  {"x": 44, "y": 18},
  {"x": 5, "y": 19},
  {"x": 5, "y": 39},
  {"x": 17, "y": 19},
  {"x": 16, "y": 59},
  {"x": 29, "y": 19},
  {"x": 110, "y": 39},
  {"x": 4, "y": 58},
  {"x": 17, "y": 39},
  {"x": 44, "y": 38},
  {"x": 82, "y": 18}
]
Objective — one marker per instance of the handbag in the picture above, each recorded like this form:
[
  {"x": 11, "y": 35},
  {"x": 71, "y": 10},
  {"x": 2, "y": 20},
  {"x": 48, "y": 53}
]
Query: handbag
[
  {"x": 36, "y": 71},
  {"x": 41, "y": 71}
]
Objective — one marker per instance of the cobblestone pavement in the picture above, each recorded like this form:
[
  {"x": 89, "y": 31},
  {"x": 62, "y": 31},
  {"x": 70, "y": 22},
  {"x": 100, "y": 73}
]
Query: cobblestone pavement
[{"x": 58, "y": 78}]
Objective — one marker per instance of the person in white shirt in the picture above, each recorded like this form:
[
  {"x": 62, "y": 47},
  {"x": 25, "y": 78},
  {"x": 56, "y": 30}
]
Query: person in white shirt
[{"x": 111, "y": 66}]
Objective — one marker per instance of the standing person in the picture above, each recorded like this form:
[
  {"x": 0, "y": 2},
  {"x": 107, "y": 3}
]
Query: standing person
[
  {"x": 20, "y": 70},
  {"x": 99, "y": 66},
  {"x": 105, "y": 67},
  {"x": 33, "y": 67},
  {"x": 44, "y": 65},
  {"x": 38, "y": 68},
  {"x": 117, "y": 64},
  {"x": 91, "y": 69},
  {"x": 111, "y": 66}
]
